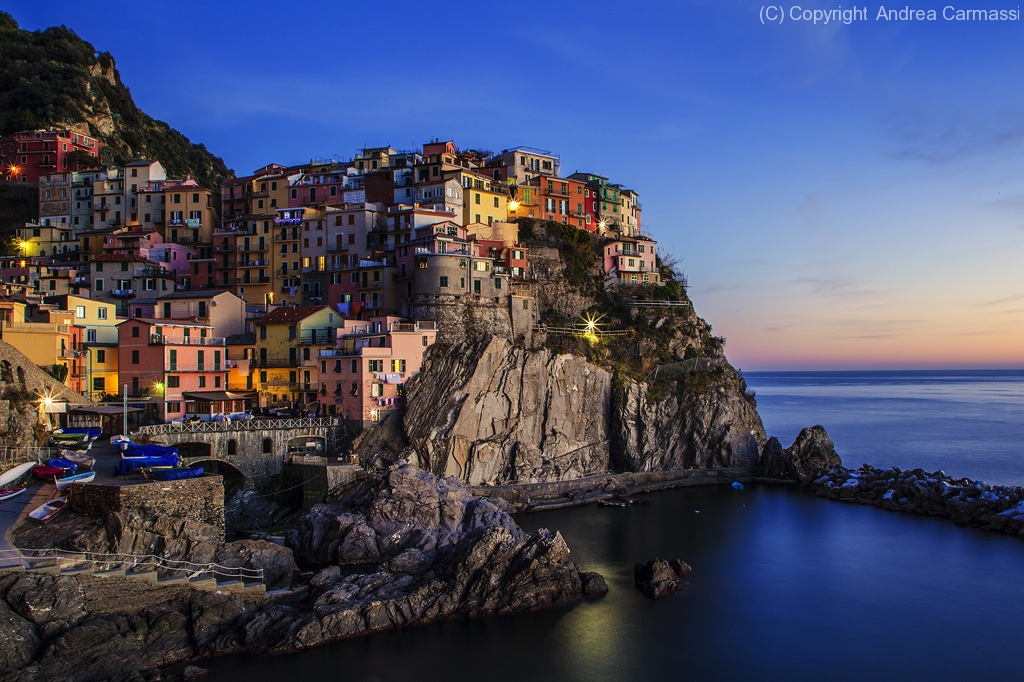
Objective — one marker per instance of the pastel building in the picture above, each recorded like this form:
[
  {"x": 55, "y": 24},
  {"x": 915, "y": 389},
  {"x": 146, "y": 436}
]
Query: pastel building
[
  {"x": 180, "y": 366},
  {"x": 29, "y": 154},
  {"x": 363, "y": 376},
  {"x": 631, "y": 260}
]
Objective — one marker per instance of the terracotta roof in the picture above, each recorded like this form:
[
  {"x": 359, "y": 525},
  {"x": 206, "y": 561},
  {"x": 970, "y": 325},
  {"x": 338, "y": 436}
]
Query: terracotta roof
[{"x": 290, "y": 314}]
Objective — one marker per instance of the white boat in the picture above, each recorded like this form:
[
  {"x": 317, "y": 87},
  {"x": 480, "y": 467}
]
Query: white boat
[
  {"x": 45, "y": 513},
  {"x": 8, "y": 493},
  {"x": 12, "y": 475},
  {"x": 66, "y": 482}
]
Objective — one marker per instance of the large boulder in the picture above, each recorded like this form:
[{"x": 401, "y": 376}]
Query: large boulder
[
  {"x": 811, "y": 455},
  {"x": 659, "y": 578}
]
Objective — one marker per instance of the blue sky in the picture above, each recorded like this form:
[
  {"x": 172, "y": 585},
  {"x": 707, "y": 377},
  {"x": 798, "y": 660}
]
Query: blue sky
[{"x": 841, "y": 196}]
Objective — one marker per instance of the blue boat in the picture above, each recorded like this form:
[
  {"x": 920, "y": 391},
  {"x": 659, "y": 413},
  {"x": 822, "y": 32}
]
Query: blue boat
[
  {"x": 737, "y": 485},
  {"x": 128, "y": 465},
  {"x": 66, "y": 464},
  {"x": 176, "y": 474}
]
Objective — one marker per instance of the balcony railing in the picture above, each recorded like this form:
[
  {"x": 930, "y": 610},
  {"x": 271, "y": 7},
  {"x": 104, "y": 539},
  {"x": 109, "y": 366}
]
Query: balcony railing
[
  {"x": 161, "y": 339},
  {"x": 194, "y": 367},
  {"x": 122, "y": 293},
  {"x": 243, "y": 248}
]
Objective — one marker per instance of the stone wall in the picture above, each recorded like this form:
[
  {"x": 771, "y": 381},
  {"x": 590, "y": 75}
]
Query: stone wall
[
  {"x": 194, "y": 499},
  {"x": 18, "y": 372},
  {"x": 461, "y": 317}
]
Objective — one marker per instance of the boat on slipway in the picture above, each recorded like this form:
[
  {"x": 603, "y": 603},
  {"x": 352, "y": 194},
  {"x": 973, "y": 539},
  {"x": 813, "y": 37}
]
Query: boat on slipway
[
  {"x": 63, "y": 483},
  {"x": 48, "y": 511},
  {"x": 12, "y": 475},
  {"x": 8, "y": 493}
]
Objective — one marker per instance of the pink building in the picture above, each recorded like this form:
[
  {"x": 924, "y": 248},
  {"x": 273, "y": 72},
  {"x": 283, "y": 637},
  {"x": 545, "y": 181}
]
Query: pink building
[
  {"x": 178, "y": 365},
  {"x": 631, "y": 260},
  {"x": 363, "y": 378}
]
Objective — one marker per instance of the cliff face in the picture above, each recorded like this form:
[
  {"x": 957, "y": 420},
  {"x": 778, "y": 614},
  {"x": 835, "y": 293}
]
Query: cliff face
[
  {"x": 492, "y": 412},
  {"x": 488, "y": 411},
  {"x": 698, "y": 423}
]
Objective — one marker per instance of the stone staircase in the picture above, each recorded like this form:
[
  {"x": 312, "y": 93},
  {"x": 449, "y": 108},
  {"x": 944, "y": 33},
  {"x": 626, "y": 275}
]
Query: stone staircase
[{"x": 152, "y": 569}]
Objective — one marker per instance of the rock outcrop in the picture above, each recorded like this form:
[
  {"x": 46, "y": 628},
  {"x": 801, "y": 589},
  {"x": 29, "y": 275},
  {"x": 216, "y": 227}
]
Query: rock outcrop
[
  {"x": 437, "y": 552},
  {"x": 659, "y": 578},
  {"x": 810, "y": 455}
]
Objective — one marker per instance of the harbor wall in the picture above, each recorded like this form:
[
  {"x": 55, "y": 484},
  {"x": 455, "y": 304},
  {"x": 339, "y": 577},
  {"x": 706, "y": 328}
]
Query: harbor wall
[{"x": 194, "y": 499}]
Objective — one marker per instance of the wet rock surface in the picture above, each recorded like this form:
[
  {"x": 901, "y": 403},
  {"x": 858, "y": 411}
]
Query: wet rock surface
[
  {"x": 437, "y": 552},
  {"x": 963, "y": 500},
  {"x": 659, "y": 578}
]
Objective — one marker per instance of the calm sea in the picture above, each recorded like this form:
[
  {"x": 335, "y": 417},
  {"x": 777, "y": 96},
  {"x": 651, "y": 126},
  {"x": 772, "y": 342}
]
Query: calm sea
[
  {"x": 967, "y": 423},
  {"x": 785, "y": 586}
]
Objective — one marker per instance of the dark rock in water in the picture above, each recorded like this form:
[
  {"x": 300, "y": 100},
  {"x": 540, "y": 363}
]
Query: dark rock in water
[
  {"x": 594, "y": 584},
  {"x": 658, "y": 578},
  {"x": 811, "y": 455},
  {"x": 193, "y": 672}
]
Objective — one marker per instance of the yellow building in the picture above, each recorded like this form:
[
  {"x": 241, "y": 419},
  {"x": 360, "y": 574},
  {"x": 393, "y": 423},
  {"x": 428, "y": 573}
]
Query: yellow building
[
  {"x": 98, "y": 322},
  {"x": 43, "y": 333},
  {"x": 46, "y": 240},
  {"x": 483, "y": 200},
  {"x": 288, "y": 344}
]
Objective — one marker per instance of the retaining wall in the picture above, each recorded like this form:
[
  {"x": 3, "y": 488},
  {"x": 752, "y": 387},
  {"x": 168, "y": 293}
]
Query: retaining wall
[{"x": 194, "y": 499}]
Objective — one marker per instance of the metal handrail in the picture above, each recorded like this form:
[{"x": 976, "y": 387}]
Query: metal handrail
[
  {"x": 246, "y": 425},
  {"x": 194, "y": 569}
]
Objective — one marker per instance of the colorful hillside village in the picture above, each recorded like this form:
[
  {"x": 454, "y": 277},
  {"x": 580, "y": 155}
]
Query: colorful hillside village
[{"x": 306, "y": 289}]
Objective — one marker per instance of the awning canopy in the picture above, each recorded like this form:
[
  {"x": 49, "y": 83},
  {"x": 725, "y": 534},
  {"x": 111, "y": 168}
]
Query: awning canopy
[
  {"x": 215, "y": 396},
  {"x": 103, "y": 410}
]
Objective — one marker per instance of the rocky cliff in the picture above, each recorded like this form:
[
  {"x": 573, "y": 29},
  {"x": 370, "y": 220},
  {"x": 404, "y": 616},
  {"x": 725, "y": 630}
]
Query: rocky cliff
[{"x": 648, "y": 390}]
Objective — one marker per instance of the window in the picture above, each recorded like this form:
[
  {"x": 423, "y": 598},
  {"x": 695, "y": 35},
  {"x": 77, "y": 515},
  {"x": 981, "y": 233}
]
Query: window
[
  {"x": 99, "y": 285},
  {"x": 355, "y": 366},
  {"x": 101, "y": 356},
  {"x": 496, "y": 202},
  {"x": 173, "y": 381},
  {"x": 90, "y": 336},
  {"x": 80, "y": 311},
  {"x": 398, "y": 365},
  {"x": 526, "y": 304},
  {"x": 476, "y": 286},
  {"x": 99, "y": 384},
  {"x": 174, "y": 406},
  {"x": 376, "y": 390},
  {"x": 101, "y": 312},
  {"x": 424, "y": 340},
  {"x": 135, "y": 332},
  {"x": 135, "y": 357},
  {"x": 497, "y": 283},
  {"x": 263, "y": 377},
  {"x": 202, "y": 382},
  {"x": 376, "y": 365},
  {"x": 444, "y": 281}
]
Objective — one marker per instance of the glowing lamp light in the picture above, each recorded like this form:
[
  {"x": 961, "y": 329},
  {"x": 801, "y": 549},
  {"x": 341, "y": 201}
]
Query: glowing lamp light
[
  {"x": 513, "y": 205},
  {"x": 590, "y": 327}
]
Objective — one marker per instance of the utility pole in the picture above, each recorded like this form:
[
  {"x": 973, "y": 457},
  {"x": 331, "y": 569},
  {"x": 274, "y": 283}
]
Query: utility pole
[{"x": 125, "y": 390}]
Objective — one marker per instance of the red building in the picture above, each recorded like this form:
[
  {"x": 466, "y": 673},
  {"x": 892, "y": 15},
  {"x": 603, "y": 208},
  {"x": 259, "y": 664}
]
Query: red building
[{"x": 27, "y": 155}]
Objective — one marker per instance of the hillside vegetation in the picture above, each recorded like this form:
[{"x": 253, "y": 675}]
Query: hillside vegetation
[{"x": 54, "y": 78}]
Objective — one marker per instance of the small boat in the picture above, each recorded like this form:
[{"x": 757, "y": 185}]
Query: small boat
[
  {"x": 12, "y": 475},
  {"x": 79, "y": 458},
  {"x": 611, "y": 503},
  {"x": 8, "y": 493},
  {"x": 633, "y": 500},
  {"x": 62, "y": 463},
  {"x": 47, "y": 471},
  {"x": 48, "y": 511},
  {"x": 176, "y": 474},
  {"x": 66, "y": 482},
  {"x": 737, "y": 485}
]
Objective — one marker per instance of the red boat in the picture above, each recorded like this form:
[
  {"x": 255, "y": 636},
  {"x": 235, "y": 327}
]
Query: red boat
[
  {"x": 47, "y": 471},
  {"x": 8, "y": 493}
]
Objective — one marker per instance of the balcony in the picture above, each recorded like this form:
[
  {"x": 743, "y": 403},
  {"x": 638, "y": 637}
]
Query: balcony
[
  {"x": 160, "y": 339},
  {"x": 122, "y": 293},
  {"x": 261, "y": 263},
  {"x": 379, "y": 284},
  {"x": 193, "y": 367},
  {"x": 246, "y": 248},
  {"x": 339, "y": 353}
]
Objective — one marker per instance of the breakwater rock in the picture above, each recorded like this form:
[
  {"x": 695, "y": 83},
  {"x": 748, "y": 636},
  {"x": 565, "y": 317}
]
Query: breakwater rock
[
  {"x": 436, "y": 553},
  {"x": 965, "y": 501}
]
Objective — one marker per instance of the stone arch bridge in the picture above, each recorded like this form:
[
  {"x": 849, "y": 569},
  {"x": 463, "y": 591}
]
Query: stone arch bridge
[{"x": 257, "y": 449}]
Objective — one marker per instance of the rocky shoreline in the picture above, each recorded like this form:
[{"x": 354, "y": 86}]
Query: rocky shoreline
[
  {"x": 432, "y": 551},
  {"x": 962, "y": 500}
]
